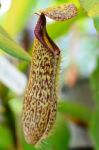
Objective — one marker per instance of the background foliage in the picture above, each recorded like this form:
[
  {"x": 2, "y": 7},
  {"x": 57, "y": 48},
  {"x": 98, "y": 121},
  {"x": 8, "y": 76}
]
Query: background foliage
[{"x": 16, "y": 39}]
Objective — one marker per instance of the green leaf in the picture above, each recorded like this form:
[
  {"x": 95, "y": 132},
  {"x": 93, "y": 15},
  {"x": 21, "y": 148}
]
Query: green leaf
[
  {"x": 18, "y": 15},
  {"x": 2, "y": 31},
  {"x": 91, "y": 6},
  {"x": 76, "y": 2},
  {"x": 96, "y": 23},
  {"x": 94, "y": 81},
  {"x": 57, "y": 29},
  {"x": 5, "y": 137},
  {"x": 75, "y": 110},
  {"x": 12, "y": 48},
  {"x": 15, "y": 105},
  {"x": 94, "y": 128}
]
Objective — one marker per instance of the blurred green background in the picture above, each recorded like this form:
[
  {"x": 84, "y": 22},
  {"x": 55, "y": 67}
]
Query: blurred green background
[{"x": 77, "y": 123}]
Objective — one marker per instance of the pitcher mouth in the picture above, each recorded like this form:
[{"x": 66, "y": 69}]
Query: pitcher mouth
[{"x": 42, "y": 35}]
